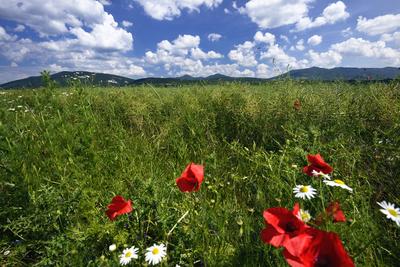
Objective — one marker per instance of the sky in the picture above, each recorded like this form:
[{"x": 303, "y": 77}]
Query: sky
[{"x": 169, "y": 38}]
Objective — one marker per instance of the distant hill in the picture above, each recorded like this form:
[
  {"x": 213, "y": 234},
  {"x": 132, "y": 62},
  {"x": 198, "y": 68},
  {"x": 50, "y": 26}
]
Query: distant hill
[
  {"x": 354, "y": 74},
  {"x": 65, "y": 77},
  {"x": 313, "y": 74}
]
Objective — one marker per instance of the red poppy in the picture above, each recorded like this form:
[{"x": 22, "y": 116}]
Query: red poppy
[
  {"x": 324, "y": 249},
  {"x": 334, "y": 211},
  {"x": 297, "y": 105},
  {"x": 317, "y": 164},
  {"x": 191, "y": 178},
  {"x": 284, "y": 229},
  {"x": 118, "y": 207}
]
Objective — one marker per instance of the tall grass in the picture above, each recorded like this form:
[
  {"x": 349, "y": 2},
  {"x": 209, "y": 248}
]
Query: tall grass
[{"x": 64, "y": 156}]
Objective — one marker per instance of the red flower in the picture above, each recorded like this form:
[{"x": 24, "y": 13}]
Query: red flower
[
  {"x": 118, "y": 207},
  {"x": 191, "y": 178},
  {"x": 317, "y": 164},
  {"x": 323, "y": 249},
  {"x": 284, "y": 229},
  {"x": 333, "y": 210}
]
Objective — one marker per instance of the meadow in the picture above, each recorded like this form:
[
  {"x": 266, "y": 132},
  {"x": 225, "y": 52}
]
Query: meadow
[{"x": 65, "y": 153}]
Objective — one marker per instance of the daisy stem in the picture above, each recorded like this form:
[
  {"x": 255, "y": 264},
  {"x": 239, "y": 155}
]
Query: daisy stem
[{"x": 176, "y": 224}]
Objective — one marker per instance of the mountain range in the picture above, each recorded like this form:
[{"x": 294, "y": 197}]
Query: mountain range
[{"x": 65, "y": 78}]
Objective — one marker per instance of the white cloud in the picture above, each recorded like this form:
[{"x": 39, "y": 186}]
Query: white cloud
[
  {"x": 127, "y": 24},
  {"x": 13, "y": 64},
  {"x": 226, "y": 11},
  {"x": 197, "y": 53},
  {"x": 85, "y": 19},
  {"x": 214, "y": 37},
  {"x": 184, "y": 56},
  {"x": 168, "y": 9},
  {"x": 55, "y": 68},
  {"x": 183, "y": 53},
  {"x": 367, "y": 49},
  {"x": 4, "y": 36},
  {"x": 52, "y": 17},
  {"x": 281, "y": 59},
  {"x": 333, "y": 13},
  {"x": 272, "y": 14},
  {"x": 314, "y": 40},
  {"x": 105, "y": 2},
  {"x": 327, "y": 59},
  {"x": 85, "y": 37},
  {"x": 347, "y": 32},
  {"x": 300, "y": 45},
  {"x": 267, "y": 37},
  {"x": 19, "y": 28},
  {"x": 68, "y": 57},
  {"x": 379, "y": 25},
  {"x": 104, "y": 36},
  {"x": 394, "y": 37},
  {"x": 285, "y": 38},
  {"x": 264, "y": 71},
  {"x": 244, "y": 54}
]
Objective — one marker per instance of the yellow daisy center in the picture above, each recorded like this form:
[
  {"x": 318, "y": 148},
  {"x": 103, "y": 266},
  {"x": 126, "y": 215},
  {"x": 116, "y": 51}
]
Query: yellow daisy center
[
  {"x": 393, "y": 212},
  {"x": 305, "y": 216},
  {"x": 304, "y": 189},
  {"x": 155, "y": 251},
  {"x": 339, "y": 182},
  {"x": 128, "y": 254}
]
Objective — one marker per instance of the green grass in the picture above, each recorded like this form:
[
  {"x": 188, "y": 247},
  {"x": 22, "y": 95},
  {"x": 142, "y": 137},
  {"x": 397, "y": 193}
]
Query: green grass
[{"x": 63, "y": 160}]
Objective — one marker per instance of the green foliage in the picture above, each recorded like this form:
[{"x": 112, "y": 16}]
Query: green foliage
[
  {"x": 47, "y": 80},
  {"x": 64, "y": 155}
]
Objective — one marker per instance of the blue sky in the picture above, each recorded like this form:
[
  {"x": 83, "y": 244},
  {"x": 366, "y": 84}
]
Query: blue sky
[{"x": 141, "y": 38}]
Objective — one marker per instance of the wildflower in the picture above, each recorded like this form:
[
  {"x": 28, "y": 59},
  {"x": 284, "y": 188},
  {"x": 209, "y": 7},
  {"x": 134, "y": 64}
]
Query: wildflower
[
  {"x": 320, "y": 174},
  {"x": 339, "y": 183},
  {"x": 112, "y": 247},
  {"x": 317, "y": 164},
  {"x": 297, "y": 105},
  {"x": 282, "y": 227},
  {"x": 334, "y": 211},
  {"x": 127, "y": 255},
  {"x": 390, "y": 211},
  {"x": 191, "y": 178},
  {"x": 321, "y": 249},
  {"x": 118, "y": 207},
  {"x": 155, "y": 254},
  {"x": 304, "y": 191},
  {"x": 6, "y": 253},
  {"x": 304, "y": 215}
]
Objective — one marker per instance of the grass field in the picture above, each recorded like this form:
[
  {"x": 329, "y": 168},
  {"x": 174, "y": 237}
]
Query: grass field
[{"x": 64, "y": 154}]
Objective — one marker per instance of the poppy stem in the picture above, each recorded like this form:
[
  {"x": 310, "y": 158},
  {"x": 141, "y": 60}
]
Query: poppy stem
[{"x": 176, "y": 224}]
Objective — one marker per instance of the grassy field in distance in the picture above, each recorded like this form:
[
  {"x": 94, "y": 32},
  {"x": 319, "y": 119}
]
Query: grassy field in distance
[{"x": 65, "y": 153}]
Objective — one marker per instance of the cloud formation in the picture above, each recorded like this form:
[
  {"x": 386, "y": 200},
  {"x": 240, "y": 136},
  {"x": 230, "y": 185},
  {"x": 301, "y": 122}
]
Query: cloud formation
[
  {"x": 169, "y": 9},
  {"x": 378, "y": 25}
]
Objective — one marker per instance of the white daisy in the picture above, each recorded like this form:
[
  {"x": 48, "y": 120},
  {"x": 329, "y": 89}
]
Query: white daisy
[
  {"x": 304, "y": 215},
  {"x": 339, "y": 183},
  {"x": 304, "y": 191},
  {"x": 112, "y": 247},
  {"x": 390, "y": 211},
  {"x": 156, "y": 253},
  {"x": 323, "y": 175},
  {"x": 127, "y": 255}
]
